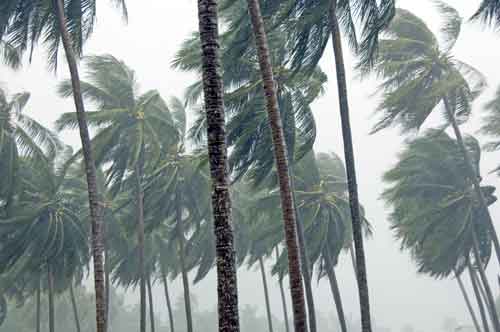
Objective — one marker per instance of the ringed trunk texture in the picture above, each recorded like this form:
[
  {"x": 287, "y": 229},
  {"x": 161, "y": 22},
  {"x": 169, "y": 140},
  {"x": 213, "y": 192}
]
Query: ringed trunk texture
[
  {"x": 217, "y": 152},
  {"x": 296, "y": 288},
  {"x": 361, "y": 273},
  {"x": 50, "y": 280},
  {"x": 151, "y": 307},
  {"x": 467, "y": 301},
  {"x": 332, "y": 277},
  {"x": 182, "y": 259},
  {"x": 479, "y": 300},
  {"x": 474, "y": 178},
  {"x": 167, "y": 299},
  {"x": 90, "y": 170},
  {"x": 75, "y": 308},
  {"x": 38, "y": 313},
  {"x": 266, "y": 295},
  {"x": 283, "y": 298},
  {"x": 140, "y": 244}
]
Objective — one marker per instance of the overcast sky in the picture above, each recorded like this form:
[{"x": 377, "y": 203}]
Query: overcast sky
[{"x": 398, "y": 295}]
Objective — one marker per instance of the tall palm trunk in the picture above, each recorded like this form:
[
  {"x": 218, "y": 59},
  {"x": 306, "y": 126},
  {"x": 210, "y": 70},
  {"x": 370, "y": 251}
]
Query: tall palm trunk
[
  {"x": 490, "y": 302},
  {"x": 467, "y": 301},
  {"x": 297, "y": 291},
  {"x": 332, "y": 277},
  {"x": 140, "y": 243},
  {"x": 182, "y": 259},
  {"x": 38, "y": 308},
  {"x": 266, "y": 295},
  {"x": 283, "y": 299},
  {"x": 357, "y": 231},
  {"x": 479, "y": 300},
  {"x": 151, "y": 307},
  {"x": 227, "y": 290},
  {"x": 75, "y": 308},
  {"x": 50, "y": 282},
  {"x": 474, "y": 178},
  {"x": 107, "y": 284},
  {"x": 90, "y": 170},
  {"x": 353, "y": 258},
  {"x": 167, "y": 299},
  {"x": 483, "y": 294}
]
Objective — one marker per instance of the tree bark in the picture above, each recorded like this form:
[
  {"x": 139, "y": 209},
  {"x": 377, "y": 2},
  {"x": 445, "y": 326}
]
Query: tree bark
[
  {"x": 474, "y": 178},
  {"x": 490, "y": 301},
  {"x": 90, "y": 170},
  {"x": 151, "y": 307},
  {"x": 75, "y": 308},
  {"x": 107, "y": 285},
  {"x": 283, "y": 299},
  {"x": 266, "y": 295},
  {"x": 182, "y": 259},
  {"x": 140, "y": 243},
  {"x": 227, "y": 290},
  {"x": 296, "y": 288},
  {"x": 50, "y": 282},
  {"x": 38, "y": 308},
  {"x": 167, "y": 299},
  {"x": 357, "y": 230},
  {"x": 467, "y": 301},
  {"x": 479, "y": 300},
  {"x": 334, "y": 286}
]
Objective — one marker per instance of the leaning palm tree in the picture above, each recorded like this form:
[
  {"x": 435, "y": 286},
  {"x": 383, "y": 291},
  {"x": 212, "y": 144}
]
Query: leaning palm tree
[
  {"x": 132, "y": 128},
  {"x": 436, "y": 213},
  {"x": 70, "y": 23},
  {"x": 421, "y": 77}
]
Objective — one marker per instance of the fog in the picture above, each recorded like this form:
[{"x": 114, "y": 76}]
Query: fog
[{"x": 399, "y": 296}]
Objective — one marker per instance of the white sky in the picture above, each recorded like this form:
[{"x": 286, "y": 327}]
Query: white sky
[{"x": 398, "y": 295}]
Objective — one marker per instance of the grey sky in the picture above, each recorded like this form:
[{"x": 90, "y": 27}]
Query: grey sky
[{"x": 398, "y": 295}]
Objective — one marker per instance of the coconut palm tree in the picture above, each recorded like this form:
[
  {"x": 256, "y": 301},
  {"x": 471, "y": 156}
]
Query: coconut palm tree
[
  {"x": 217, "y": 154},
  {"x": 132, "y": 128},
  {"x": 488, "y": 11},
  {"x": 422, "y": 76},
  {"x": 436, "y": 213}
]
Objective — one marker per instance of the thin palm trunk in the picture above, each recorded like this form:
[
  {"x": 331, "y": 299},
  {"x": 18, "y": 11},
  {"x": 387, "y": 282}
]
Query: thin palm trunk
[
  {"x": 266, "y": 295},
  {"x": 334, "y": 286},
  {"x": 353, "y": 258},
  {"x": 483, "y": 294},
  {"x": 474, "y": 178},
  {"x": 490, "y": 302},
  {"x": 467, "y": 301},
  {"x": 75, "y": 308},
  {"x": 182, "y": 259},
  {"x": 227, "y": 290},
  {"x": 479, "y": 300},
  {"x": 283, "y": 299},
  {"x": 38, "y": 308},
  {"x": 296, "y": 287},
  {"x": 140, "y": 244},
  {"x": 107, "y": 284},
  {"x": 90, "y": 170},
  {"x": 167, "y": 299},
  {"x": 361, "y": 274},
  {"x": 50, "y": 282},
  {"x": 151, "y": 307}
]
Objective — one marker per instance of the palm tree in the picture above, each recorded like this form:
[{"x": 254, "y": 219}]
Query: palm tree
[
  {"x": 72, "y": 24},
  {"x": 436, "y": 213},
  {"x": 488, "y": 11},
  {"x": 421, "y": 76},
  {"x": 217, "y": 152},
  {"x": 131, "y": 127}
]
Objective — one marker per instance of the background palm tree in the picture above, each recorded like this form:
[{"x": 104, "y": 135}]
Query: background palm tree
[{"x": 488, "y": 11}]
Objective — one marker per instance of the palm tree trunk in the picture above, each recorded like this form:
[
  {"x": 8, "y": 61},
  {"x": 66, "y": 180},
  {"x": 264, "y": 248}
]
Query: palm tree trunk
[
  {"x": 107, "y": 284},
  {"x": 474, "y": 178},
  {"x": 167, "y": 299},
  {"x": 296, "y": 288},
  {"x": 332, "y": 277},
  {"x": 75, "y": 308},
  {"x": 364, "y": 298},
  {"x": 489, "y": 295},
  {"x": 266, "y": 295},
  {"x": 151, "y": 307},
  {"x": 227, "y": 290},
  {"x": 467, "y": 301},
  {"x": 50, "y": 282},
  {"x": 353, "y": 258},
  {"x": 182, "y": 259},
  {"x": 38, "y": 308},
  {"x": 90, "y": 170},
  {"x": 140, "y": 243},
  {"x": 479, "y": 300},
  {"x": 283, "y": 299},
  {"x": 483, "y": 294}
]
